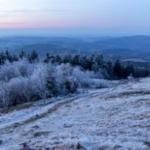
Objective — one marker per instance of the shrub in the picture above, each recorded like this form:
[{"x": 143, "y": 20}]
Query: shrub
[{"x": 22, "y": 81}]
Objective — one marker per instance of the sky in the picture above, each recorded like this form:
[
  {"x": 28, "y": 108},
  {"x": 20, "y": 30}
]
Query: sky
[{"x": 74, "y": 17}]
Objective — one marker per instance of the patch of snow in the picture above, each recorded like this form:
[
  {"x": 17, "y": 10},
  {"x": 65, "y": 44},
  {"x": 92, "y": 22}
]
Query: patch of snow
[{"x": 116, "y": 117}]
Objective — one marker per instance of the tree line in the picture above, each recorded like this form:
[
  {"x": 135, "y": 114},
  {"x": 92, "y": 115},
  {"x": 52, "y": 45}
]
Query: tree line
[{"x": 108, "y": 69}]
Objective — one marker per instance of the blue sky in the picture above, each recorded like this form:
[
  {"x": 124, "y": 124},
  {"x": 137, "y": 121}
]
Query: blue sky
[{"x": 97, "y": 17}]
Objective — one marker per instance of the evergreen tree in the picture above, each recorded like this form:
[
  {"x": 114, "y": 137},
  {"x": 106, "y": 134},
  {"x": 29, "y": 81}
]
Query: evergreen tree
[
  {"x": 33, "y": 57},
  {"x": 58, "y": 59},
  {"x": 67, "y": 59},
  {"x": 84, "y": 62},
  {"x": 109, "y": 67},
  {"x": 8, "y": 56},
  {"x": 95, "y": 67},
  {"x": 92, "y": 61},
  {"x": 76, "y": 60},
  {"x": 2, "y": 58},
  {"x": 15, "y": 58},
  {"x": 99, "y": 59},
  {"x": 146, "y": 73},
  {"x": 129, "y": 70},
  {"x": 118, "y": 69},
  {"x": 47, "y": 59},
  {"x": 22, "y": 54}
]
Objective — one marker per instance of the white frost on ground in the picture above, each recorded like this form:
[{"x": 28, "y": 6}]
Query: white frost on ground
[{"x": 117, "y": 117}]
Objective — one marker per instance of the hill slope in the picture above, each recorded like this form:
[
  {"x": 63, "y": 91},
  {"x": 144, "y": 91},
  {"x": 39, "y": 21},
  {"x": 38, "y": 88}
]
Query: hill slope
[{"x": 115, "y": 118}]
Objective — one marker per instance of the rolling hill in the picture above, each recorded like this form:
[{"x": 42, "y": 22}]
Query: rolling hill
[{"x": 114, "y": 47}]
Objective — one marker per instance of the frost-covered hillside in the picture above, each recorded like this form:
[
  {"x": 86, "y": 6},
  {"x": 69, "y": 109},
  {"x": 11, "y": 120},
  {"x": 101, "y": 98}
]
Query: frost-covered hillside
[{"x": 114, "y": 118}]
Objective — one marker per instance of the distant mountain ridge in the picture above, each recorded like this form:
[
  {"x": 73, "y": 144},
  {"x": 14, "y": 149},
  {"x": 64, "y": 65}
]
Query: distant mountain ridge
[
  {"x": 44, "y": 48},
  {"x": 122, "y": 47},
  {"x": 131, "y": 42}
]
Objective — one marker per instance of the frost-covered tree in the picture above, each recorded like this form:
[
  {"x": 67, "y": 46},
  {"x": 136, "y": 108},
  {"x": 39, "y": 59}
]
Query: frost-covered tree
[
  {"x": 2, "y": 58},
  {"x": 27, "y": 79},
  {"x": 22, "y": 54},
  {"x": 33, "y": 57},
  {"x": 8, "y": 56},
  {"x": 99, "y": 59},
  {"x": 66, "y": 58},
  {"x": 76, "y": 60}
]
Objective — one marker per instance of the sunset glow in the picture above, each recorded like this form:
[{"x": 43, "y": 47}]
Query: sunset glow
[{"x": 90, "y": 14}]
